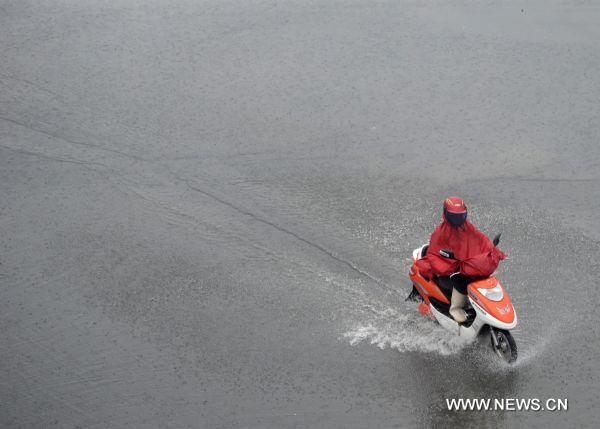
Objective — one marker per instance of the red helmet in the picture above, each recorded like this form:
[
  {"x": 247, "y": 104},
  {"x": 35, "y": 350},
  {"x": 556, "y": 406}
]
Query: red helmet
[{"x": 455, "y": 211}]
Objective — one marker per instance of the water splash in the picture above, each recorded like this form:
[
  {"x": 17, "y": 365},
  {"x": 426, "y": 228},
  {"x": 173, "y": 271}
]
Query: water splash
[{"x": 404, "y": 332}]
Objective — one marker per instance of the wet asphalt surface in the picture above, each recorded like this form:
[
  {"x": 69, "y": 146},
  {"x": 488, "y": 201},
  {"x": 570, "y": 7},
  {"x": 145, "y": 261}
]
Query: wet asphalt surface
[{"x": 206, "y": 209}]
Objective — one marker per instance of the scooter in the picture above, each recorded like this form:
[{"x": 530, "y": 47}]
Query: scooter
[{"x": 489, "y": 309}]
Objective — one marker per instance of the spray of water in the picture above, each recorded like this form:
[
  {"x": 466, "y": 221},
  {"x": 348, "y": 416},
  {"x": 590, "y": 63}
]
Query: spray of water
[{"x": 403, "y": 331}]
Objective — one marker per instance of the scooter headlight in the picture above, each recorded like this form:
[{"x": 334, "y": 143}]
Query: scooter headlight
[{"x": 495, "y": 294}]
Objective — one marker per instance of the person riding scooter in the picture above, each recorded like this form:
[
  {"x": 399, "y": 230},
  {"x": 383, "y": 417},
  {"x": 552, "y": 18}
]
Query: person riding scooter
[{"x": 472, "y": 255}]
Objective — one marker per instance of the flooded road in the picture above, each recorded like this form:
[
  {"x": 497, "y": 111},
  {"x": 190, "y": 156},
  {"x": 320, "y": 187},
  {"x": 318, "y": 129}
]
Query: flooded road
[{"x": 206, "y": 209}]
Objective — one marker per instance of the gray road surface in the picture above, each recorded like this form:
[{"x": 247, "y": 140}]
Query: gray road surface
[{"x": 206, "y": 209}]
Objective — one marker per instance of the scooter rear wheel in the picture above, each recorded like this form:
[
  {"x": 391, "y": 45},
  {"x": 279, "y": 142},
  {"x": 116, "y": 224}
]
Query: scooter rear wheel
[{"x": 507, "y": 346}]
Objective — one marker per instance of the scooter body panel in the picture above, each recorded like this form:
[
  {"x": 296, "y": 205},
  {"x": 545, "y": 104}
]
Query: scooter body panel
[{"x": 498, "y": 313}]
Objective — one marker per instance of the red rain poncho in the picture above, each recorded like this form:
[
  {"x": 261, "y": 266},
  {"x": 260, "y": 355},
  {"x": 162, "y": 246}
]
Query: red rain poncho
[{"x": 476, "y": 255}]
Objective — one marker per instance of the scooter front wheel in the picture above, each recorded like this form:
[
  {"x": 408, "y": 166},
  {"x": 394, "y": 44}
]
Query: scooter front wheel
[{"x": 506, "y": 347}]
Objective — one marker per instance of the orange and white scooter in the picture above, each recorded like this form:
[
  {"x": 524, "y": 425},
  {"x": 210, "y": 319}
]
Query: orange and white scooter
[{"x": 489, "y": 309}]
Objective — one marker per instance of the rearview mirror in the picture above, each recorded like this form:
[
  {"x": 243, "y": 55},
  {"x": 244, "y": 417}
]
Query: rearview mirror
[{"x": 496, "y": 239}]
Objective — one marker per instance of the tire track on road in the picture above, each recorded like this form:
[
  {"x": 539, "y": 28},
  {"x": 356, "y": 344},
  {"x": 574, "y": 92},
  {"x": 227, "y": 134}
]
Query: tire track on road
[{"x": 284, "y": 230}]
